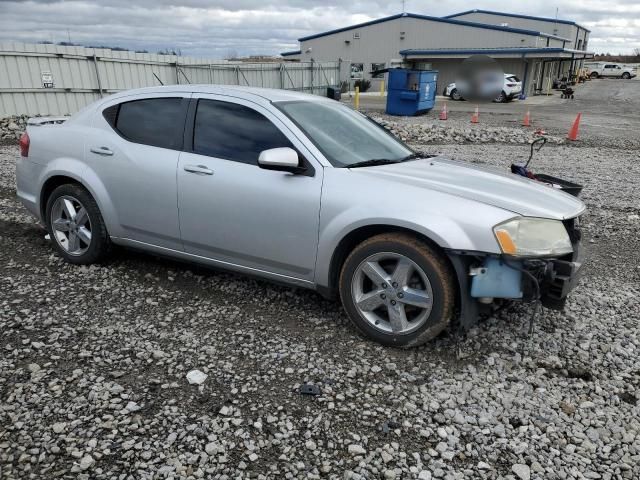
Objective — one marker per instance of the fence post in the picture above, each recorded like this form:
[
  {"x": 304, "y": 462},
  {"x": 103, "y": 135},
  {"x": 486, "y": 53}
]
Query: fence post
[
  {"x": 283, "y": 66},
  {"x": 177, "y": 72},
  {"x": 210, "y": 74},
  {"x": 312, "y": 75},
  {"x": 95, "y": 64},
  {"x": 357, "y": 99}
]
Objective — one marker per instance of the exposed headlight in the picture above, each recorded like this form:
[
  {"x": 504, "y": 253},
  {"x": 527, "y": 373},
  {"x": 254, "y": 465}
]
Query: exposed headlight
[{"x": 528, "y": 237}]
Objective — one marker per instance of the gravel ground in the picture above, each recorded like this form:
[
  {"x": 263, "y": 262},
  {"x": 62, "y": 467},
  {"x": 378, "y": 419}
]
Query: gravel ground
[{"x": 94, "y": 363}]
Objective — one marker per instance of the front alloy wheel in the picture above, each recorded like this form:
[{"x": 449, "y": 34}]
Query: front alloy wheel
[
  {"x": 397, "y": 289},
  {"x": 392, "y": 293}
]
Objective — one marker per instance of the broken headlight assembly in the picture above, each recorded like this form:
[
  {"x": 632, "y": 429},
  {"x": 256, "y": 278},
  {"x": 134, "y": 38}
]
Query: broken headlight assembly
[{"x": 533, "y": 237}]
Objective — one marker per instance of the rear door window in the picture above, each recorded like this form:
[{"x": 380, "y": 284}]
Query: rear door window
[
  {"x": 513, "y": 78},
  {"x": 234, "y": 132},
  {"x": 158, "y": 122}
]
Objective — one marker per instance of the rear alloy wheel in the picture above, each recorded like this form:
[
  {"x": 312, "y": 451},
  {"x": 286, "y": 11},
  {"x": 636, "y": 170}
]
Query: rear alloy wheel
[
  {"x": 455, "y": 95},
  {"x": 594, "y": 75},
  {"x": 397, "y": 290},
  {"x": 75, "y": 225},
  {"x": 626, "y": 76},
  {"x": 501, "y": 98}
]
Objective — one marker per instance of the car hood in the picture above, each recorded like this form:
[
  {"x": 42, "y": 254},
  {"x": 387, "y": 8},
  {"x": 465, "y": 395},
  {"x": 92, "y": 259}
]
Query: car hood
[{"x": 503, "y": 190}]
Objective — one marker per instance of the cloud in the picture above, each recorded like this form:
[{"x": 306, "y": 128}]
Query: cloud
[{"x": 215, "y": 28}]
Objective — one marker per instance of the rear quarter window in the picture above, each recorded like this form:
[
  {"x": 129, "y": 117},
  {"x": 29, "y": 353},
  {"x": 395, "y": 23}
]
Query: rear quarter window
[{"x": 158, "y": 122}]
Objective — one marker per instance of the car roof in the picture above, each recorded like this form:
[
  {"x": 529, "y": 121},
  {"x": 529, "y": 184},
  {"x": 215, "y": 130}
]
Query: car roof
[{"x": 269, "y": 94}]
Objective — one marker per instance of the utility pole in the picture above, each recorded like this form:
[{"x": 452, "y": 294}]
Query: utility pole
[{"x": 403, "y": 6}]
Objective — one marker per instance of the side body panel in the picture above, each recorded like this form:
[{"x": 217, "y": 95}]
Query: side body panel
[
  {"x": 140, "y": 181},
  {"x": 243, "y": 215},
  {"x": 349, "y": 204}
]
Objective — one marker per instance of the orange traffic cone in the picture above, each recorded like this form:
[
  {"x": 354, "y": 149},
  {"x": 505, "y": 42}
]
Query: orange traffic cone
[
  {"x": 476, "y": 116},
  {"x": 573, "y": 132},
  {"x": 443, "y": 112},
  {"x": 527, "y": 120}
]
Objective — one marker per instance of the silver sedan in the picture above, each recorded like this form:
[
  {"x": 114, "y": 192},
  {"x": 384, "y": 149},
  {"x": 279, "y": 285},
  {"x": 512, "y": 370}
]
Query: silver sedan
[{"x": 301, "y": 190}]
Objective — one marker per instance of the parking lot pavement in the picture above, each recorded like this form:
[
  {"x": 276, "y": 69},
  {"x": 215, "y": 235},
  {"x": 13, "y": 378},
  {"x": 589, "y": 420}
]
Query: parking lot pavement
[{"x": 94, "y": 363}]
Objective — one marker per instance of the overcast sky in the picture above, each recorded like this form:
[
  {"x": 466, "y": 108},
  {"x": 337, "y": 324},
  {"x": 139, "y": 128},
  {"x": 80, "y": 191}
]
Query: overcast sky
[{"x": 218, "y": 28}]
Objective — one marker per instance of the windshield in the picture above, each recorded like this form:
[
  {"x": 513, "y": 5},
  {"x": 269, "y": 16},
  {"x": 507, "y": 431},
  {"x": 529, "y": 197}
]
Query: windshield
[{"x": 345, "y": 137}]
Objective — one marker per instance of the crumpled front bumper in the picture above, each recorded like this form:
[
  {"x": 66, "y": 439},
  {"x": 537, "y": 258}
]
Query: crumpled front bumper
[
  {"x": 563, "y": 274},
  {"x": 555, "y": 278}
]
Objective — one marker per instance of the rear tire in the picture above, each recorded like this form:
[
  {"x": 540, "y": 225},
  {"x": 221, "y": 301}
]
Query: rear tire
[
  {"x": 75, "y": 225},
  {"x": 626, "y": 76},
  {"x": 594, "y": 75},
  {"x": 397, "y": 290},
  {"x": 455, "y": 95},
  {"x": 502, "y": 98}
]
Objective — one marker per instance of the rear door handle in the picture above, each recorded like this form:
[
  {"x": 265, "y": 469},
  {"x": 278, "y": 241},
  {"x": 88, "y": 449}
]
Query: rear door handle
[
  {"x": 199, "y": 169},
  {"x": 102, "y": 151}
]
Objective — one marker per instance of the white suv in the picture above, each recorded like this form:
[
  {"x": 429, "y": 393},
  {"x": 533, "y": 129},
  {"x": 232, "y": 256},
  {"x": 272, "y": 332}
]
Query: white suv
[{"x": 511, "y": 89}]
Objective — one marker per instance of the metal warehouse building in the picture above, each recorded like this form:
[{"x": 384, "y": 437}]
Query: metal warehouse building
[{"x": 535, "y": 49}]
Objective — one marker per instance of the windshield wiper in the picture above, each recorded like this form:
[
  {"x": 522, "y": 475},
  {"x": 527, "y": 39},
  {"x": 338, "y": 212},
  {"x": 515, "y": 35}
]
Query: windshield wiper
[
  {"x": 416, "y": 156},
  {"x": 372, "y": 163}
]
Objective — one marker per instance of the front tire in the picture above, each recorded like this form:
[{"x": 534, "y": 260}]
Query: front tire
[
  {"x": 397, "y": 290},
  {"x": 76, "y": 227}
]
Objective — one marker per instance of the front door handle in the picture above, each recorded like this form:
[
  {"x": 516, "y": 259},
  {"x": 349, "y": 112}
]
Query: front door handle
[
  {"x": 102, "y": 151},
  {"x": 199, "y": 169}
]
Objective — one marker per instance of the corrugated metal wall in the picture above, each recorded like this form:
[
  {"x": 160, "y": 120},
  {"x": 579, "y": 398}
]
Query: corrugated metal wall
[{"x": 82, "y": 75}]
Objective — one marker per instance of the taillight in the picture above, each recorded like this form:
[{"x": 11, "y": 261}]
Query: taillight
[
  {"x": 511, "y": 84},
  {"x": 24, "y": 144}
]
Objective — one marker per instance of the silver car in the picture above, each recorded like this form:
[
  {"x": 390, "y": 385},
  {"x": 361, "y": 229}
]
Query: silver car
[{"x": 301, "y": 190}]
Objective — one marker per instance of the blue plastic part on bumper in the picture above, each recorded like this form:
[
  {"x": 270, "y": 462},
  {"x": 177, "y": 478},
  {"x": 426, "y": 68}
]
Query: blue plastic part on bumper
[{"x": 497, "y": 280}]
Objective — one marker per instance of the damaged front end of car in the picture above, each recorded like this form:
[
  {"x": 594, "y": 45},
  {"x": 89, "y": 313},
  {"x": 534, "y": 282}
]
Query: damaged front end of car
[{"x": 541, "y": 270}]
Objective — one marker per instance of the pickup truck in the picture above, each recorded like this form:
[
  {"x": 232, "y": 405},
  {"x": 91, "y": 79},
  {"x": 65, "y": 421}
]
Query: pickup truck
[{"x": 615, "y": 70}]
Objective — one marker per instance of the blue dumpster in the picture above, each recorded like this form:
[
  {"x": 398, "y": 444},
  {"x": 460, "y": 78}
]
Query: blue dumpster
[{"x": 411, "y": 92}]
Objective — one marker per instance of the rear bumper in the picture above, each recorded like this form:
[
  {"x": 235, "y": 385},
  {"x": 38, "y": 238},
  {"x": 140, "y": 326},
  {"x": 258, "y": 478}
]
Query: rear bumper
[{"x": 27, "y": 182}]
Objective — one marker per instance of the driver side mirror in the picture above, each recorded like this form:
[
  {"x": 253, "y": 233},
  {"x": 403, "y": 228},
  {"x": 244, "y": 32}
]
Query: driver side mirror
[{"x": 283, "y": 159}]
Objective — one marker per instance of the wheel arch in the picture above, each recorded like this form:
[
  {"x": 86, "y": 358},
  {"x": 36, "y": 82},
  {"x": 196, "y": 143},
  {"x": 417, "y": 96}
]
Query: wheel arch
[
  {"x": 50, "y": 185},
  {"x": 96, "y": 189},
  {"x": 353, "y": 238}
]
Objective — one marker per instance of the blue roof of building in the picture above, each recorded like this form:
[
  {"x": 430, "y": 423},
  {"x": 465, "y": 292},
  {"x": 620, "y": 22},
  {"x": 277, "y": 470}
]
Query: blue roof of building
[
  {"x": 434, "y": 19},
  {"x": 487, "y": 51},
  {"x": 291, "y": 52},
  {"x": 516, "y": 15}
]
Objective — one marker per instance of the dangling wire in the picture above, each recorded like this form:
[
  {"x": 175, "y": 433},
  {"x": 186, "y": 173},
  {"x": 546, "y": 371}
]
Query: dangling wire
[{"x": 536, "y": 297}]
